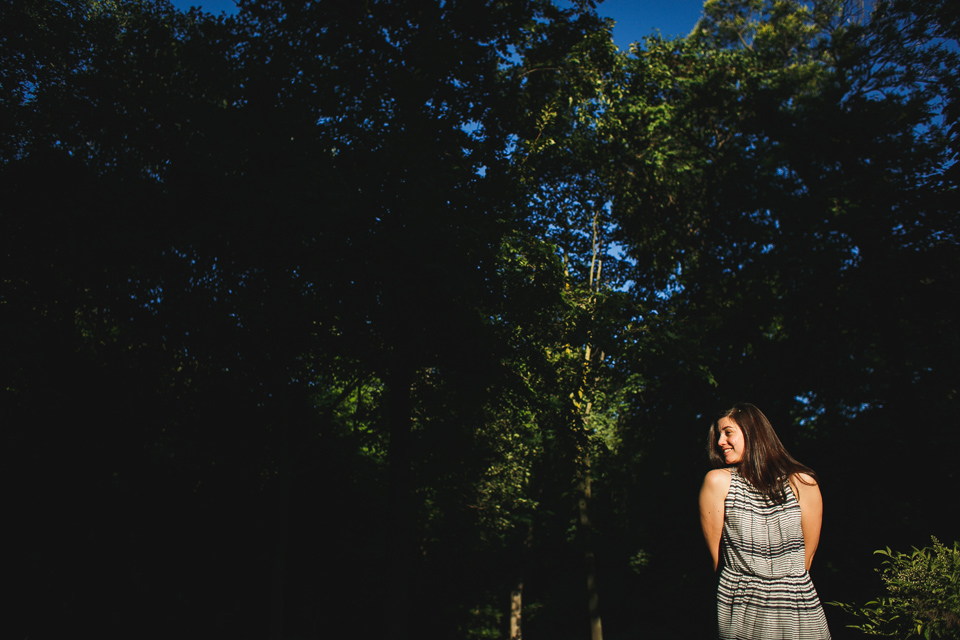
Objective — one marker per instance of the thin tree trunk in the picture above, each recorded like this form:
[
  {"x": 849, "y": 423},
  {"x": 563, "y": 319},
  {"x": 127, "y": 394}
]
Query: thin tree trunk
[
  {"x": 400, "y": 537},
  {"x": 278, "y": 590},
  {"x": 516, "y": 594},
  {"x": 516, "y": 600},
  {"x": 590, "y": 564},
  {"x": 585, "y": 529}
]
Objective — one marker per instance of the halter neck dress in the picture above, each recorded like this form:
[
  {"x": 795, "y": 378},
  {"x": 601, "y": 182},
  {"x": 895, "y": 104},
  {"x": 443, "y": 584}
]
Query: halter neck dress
[{"x": 764, "y": 590}]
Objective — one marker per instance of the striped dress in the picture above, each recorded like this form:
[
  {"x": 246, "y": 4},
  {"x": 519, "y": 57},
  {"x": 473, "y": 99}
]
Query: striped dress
[{"x": 765, "y": 592}]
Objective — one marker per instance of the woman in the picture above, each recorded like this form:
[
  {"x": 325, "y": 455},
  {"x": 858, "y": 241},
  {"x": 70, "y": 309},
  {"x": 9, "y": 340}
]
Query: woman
[{"x": 761, "y": 512}]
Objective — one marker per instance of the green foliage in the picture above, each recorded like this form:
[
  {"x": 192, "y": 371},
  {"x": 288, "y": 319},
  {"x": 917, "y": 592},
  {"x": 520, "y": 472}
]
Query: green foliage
[
  {"x": 922, "y": 595},
  {"x": 485, "y": 623}
]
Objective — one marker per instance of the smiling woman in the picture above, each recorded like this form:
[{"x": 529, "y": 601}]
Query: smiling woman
[
  {"x": 761, "y": 511},
  {"x": 730, "y": 441}
]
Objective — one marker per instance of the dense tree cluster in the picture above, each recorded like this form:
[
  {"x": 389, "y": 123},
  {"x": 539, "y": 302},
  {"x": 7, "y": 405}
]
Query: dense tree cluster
[{"x": 407, "y": 318}]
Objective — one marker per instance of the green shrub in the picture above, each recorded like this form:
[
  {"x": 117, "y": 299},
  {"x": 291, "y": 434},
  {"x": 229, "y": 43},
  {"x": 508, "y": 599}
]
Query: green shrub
[{"x": 922, "y": 599}]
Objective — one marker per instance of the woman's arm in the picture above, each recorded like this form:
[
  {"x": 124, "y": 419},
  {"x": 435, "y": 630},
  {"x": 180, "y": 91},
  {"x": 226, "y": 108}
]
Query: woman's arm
[
  {"x": 716, "y": 484},
  {"x": 811, "y": 513}
]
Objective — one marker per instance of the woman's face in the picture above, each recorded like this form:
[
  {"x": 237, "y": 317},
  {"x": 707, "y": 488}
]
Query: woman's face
[{"x": 731, "y": 441}]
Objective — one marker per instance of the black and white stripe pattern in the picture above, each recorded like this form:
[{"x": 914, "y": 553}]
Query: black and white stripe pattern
[{"x": 765, "y": 593}]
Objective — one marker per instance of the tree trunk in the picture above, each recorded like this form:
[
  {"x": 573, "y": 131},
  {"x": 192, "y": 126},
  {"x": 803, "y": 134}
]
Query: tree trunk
[
  {"x": 516, "y": 597},
  {"x": 400, "y": 524},
  {"x": 593, "y": 596},
  {"x": 278, "y": 589}
]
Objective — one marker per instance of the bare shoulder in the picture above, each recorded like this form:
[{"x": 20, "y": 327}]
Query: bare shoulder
[
  {"x": 717, "y": 480},
  {"x": 804, "y": 485}
]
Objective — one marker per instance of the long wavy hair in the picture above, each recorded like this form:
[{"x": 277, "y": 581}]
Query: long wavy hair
[{"x": 765, "y": 462}]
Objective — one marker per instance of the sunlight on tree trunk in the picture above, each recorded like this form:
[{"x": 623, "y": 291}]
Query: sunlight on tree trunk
[
  {"x": 593, "y": 595},
  {"x": 515, "y": 614}
]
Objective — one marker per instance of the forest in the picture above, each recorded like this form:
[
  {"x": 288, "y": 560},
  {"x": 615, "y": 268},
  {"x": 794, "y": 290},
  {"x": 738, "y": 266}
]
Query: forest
[{"x": 409, "y": 318}]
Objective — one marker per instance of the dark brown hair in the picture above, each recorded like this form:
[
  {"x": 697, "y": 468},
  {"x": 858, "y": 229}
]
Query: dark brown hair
[{"x": 765, "y": 463}]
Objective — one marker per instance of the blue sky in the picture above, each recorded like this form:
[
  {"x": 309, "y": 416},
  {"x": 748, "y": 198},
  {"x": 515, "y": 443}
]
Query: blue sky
[
  {"x": 639, "y": 18},
  {"x": 635, "y": 18}
]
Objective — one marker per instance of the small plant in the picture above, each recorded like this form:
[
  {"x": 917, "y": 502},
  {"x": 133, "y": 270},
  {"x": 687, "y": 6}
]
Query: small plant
[{"x": 923, "y": 595}]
